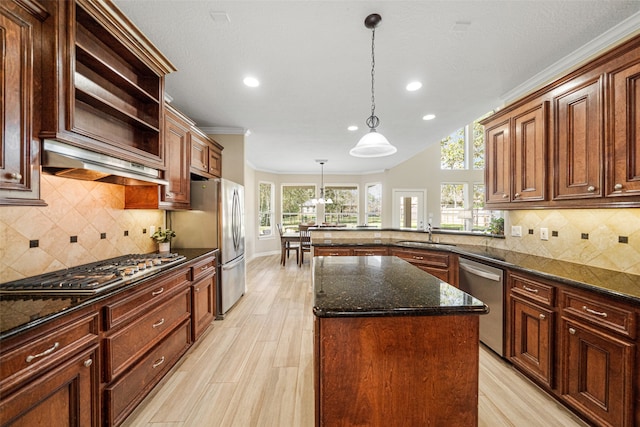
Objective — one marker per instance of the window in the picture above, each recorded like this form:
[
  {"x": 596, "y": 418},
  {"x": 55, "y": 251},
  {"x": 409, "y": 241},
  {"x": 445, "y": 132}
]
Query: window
[
  {"x": 265, "y": 214},
  {"x": 296, "y": 205},
  {"x": 452, "y": 151},
  {"x": 344, "y": 209},
  {"x": 481, "y": 216},
  {"x": 452, "y": 206},
  {"x": 373, "y": 215},
  {"x": 478, "y": 146}
]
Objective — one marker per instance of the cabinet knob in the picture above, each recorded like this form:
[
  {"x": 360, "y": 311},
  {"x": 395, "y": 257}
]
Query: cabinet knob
[
  {"x": 168, "y": 195},
  {"x": 542, "y": 316},
  {"x": 16, "y": 176},
  {"x": 88, "y": 363},
  {"x": 197, "y": 289},
  {"x": 505, "y": 196},
  {"x": 617, "y": 187},
  {"x": 516, "y": 195},
  {"x": 572, "y": 331},
  {"x": 591, "y": 189}
]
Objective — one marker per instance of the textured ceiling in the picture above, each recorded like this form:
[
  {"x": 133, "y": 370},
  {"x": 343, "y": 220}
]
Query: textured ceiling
[{"x": 313, "y": 61}]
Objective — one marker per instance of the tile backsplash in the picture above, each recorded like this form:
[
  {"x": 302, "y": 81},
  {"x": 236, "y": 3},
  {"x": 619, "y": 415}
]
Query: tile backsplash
[{"x": 84, "y": 221}]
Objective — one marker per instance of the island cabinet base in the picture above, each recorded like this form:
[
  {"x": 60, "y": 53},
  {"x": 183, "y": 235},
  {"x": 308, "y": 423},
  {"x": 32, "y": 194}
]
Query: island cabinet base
[{"x": 396, "y": 371}]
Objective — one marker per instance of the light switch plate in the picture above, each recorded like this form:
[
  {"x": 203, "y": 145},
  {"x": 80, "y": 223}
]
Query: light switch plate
[
  {"x": 544, "y": 234},
  {"x": 516, "y": 230},
  {"x": 327, "y": 234},
  {"x": 377, "y": 234}
]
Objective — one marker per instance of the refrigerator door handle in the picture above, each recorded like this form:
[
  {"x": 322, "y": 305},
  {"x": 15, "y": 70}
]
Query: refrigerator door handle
[
  {"x": 233, "y": 264},
  {"x": 235, "y": 220}
]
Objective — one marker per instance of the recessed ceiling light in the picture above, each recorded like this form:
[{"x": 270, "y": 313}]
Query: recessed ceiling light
[
  {"x": 352, "y": 128},
  {"x": 251, "y": 82},
  {"x": 413, "y": 86},
  {"x": 429, "y": 117}
]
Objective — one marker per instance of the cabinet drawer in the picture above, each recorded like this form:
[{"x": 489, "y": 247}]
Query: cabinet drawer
[
  {"x": 332, "y": 251},
  {"x": 437, "y": 260},
  {"x": 204, "y": 268},
  {"x": 129, "y": 343},
  {"x": 533, "y": 290},
  {"x": 605, "y": 314},
  {"x": 46, "y": 349},
  {"x": 129, "y": 307},
  {"x": 125, "y": 394},
  {"x": 378, "y": 250}
]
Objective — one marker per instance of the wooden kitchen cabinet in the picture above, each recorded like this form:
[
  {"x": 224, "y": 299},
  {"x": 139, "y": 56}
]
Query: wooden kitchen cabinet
[
  {"x": 578, "y": 145},
  {"x": 105, "y": 82},
  {"x": 50, "y": 376},
  {"x": 332, "y": 251},
  {"x": 442, "y": 265},
  {"x": 21, "y": 28},
  {"x": 532, "y": 328},
  {"x": 203, "y": 295},
  {"x": 206, "y": 155},
  {"x": 498, "y": 161},
  {"x": 177, "y": 148},
  {"x": 370, "y": 251}
]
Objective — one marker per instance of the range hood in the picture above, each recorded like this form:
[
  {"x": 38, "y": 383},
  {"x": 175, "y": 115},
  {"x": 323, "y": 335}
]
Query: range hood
[{"x": 69, "y": 161}]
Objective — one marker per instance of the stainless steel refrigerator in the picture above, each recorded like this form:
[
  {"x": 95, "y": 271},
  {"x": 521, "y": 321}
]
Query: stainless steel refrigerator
[{"x": 216, "y": 220}]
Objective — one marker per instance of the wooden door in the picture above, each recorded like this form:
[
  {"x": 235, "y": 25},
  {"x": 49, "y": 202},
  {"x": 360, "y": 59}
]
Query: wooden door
[
  {"x": 177, "y": 146},
  {"x": 578, "y": 142},
  {"x": 203, "y": 305},
  {"x": 596, "y": 376},
  {"x": 532, "y": 340},
  {"x": 498, "y": 162},
  {"x": 623, "y": 178},
  {"x": 530, "y": 154}
]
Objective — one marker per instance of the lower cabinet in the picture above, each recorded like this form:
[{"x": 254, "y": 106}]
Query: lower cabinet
[
  {"x": 203, "y": 295},
  {"x": 588, "y": 359},
  {"x": 442, "y": 265}
]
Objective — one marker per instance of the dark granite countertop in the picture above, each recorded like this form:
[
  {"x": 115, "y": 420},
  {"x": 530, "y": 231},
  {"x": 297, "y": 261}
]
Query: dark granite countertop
[
  {"x": 20, "y": 312},
  {"x": 623, "y": 286},
  {"x": 370, "y": 286}
]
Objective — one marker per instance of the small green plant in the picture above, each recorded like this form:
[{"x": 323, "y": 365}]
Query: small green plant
[
  {"x": 163, "y": 236},
  {"x": 496, "y": 226}
]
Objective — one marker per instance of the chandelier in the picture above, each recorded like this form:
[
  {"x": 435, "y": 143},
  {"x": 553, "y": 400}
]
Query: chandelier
[
  {"x": 321, "y": 200},
  {"x": 373, "y": 144}
]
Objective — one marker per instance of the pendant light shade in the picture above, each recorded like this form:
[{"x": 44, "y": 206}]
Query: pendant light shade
[
  {"x": 321, "y": 200},
  {"x": 373, "y": 144}
]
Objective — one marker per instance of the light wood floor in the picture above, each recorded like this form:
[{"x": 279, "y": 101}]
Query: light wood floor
[{"x": 255, "y": 368}]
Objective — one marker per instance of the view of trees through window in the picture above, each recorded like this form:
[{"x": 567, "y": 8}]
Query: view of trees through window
[
  {"x": 452, "y": 151},
  {"x": 265, "y": 209},
  {"x": 344, "y": 209},
  {"x": 374, "y": 205},
  {"x": 296, "y": 205}
]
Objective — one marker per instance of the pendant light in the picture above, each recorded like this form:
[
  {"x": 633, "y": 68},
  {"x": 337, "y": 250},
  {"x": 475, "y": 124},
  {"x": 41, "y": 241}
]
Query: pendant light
[
  {"x": 321, "y": 200},
  {"x": 373, "y": 144}
]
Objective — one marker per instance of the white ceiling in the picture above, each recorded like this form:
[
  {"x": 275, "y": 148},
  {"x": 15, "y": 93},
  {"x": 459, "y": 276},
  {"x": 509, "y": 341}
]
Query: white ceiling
[{"x": 313, "y": 59}]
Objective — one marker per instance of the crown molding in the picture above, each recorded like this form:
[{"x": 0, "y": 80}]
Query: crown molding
[
  {"x": 605, "y": 41},
  {"x": 221, "y": 130}
]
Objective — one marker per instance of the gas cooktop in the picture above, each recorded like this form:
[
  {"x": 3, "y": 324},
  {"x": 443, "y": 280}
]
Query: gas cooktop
[{"x": 96, "y": 277}]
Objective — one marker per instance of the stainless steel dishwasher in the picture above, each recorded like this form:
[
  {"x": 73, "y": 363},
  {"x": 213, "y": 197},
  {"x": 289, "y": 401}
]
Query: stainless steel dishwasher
[{"x": 486, "y": 283}]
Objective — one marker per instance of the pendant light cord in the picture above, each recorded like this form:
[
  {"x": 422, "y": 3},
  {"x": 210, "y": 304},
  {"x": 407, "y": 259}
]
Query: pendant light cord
[{"x": 373, "y": 121}]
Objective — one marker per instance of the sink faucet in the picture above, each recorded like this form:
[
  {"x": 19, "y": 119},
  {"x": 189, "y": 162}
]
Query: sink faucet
[{"x": 430, "y": 231}]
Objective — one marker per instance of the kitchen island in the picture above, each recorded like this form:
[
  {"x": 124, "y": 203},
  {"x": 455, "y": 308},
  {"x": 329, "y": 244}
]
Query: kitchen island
[{"x": 393, "y": 345}]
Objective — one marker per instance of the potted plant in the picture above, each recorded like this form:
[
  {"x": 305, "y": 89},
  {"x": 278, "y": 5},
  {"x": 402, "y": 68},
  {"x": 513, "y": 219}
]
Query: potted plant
[{"x": 163, "y": 237}]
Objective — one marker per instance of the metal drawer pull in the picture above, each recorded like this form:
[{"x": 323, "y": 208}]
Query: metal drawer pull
[
  {"x": 597, "y": 313},
  {"x": 369, "y": 254},
  {"x": 334, "y": 254},
  {"x": 88, "y": 363},
  {"x": 418, "y": 257},
  {"x": 528, "y": 289},
  {"x": 203, "y": 268},
  {"x": 159, "y": 323},
  {"x": 542, "y": 316},
  {"x": 572, "y": 331},
  {"x": 158, "y": 292},
  {"x": 158, "y": 362},
  {"x": 47, "y": 352}
]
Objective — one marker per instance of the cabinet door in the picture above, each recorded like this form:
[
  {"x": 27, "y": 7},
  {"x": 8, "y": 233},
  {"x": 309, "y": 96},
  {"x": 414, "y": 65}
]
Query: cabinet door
[
  {"x": 498, "y": 163},
  {"x": 624, "y": 149},
  {"x": 176, "y": 146},
  {"x": 372, "y": 251},
  {"x": 199, "y": 155},
  {"x": 215, "y": 162},
  {"x": 578, "y": 143},
  {"x": 63, "y": 397},
  {"x": 532, "y": 340},
  {"x": 597, "y": 374},
  {"x": 203, "y": 305},
  {"x": 530, "y": 154},
  {"x": 20, "y": 30}
]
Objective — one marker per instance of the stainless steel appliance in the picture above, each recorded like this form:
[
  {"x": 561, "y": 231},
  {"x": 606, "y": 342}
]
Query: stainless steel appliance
[
  {"x": 216, "y": 220},
  {"x": 486, "y": 283},
  {"x": 96, "y": 277}
]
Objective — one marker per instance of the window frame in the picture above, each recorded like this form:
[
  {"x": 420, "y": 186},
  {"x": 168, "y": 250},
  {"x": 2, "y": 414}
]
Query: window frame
[
  {"x": 301, "y": 214},
  {"x": 271, "y": 212},
  {"x": 366, "y": 203},
  {"x": 350, "y": 214}
]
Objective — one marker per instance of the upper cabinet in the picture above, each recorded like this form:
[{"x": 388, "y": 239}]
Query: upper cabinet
[
  {"x": 106, "y": 88},
  {"x": 206, "y": 155},
  {"x": 574, "y": 143},
  {"x": 21, "y": 26}
]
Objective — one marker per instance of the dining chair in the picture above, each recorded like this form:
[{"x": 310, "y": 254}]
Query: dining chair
[
  {"x": 305, "y": 244},
  {"x": 286, "y": 246}
]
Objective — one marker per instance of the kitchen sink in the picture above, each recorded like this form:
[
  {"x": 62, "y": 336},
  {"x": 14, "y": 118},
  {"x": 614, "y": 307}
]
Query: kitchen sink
[{"x": 422, "y": 243}]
